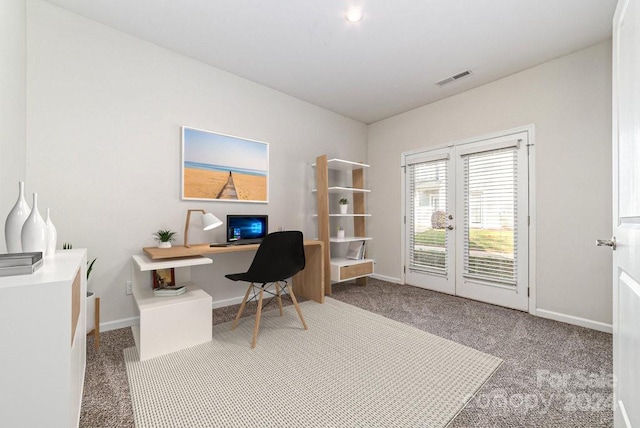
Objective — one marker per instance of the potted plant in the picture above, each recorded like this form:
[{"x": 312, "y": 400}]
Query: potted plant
[
  {"x": 164, "y": 238},
  {"x": 90, "y": 321},
  {"x": 344, "y": 204},
  {"x": 340, "y": 234}
]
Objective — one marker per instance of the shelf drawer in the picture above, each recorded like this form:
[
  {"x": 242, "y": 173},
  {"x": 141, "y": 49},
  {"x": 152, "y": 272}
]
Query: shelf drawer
[{"x": 351, "y": 271}]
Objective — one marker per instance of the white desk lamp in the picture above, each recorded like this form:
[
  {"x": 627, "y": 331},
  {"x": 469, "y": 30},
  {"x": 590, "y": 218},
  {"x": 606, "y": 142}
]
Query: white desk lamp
[{"x": 209, "y": 221}]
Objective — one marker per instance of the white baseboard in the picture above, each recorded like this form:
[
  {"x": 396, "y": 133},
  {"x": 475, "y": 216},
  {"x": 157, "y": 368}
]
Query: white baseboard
[
  {"x": 386, "y": 278},
  {"x": 570, "y": 319},
  {"x": 543, "y": 313},
  {"x": 114, "y": 325},
  {"x": 227, "y": 302}
]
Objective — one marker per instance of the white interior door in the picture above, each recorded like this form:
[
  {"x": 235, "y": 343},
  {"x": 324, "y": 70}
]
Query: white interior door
[
  {"x": 626, "y": 214},
  {"x": 466, "y": 220}
]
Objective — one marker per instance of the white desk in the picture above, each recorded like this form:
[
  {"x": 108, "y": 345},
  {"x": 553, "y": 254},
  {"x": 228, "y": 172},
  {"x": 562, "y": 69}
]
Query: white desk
[
  {"x": 169, "y": 323},
  {"x": 308, "y": 283}
]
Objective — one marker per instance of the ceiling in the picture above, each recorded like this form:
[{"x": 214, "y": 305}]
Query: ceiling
[{"x": 382, "y": 66}]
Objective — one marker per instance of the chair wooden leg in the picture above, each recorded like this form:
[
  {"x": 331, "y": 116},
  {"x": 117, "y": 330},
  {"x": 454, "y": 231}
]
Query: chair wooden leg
[
  {"x": 257, "y": 325},
  {"x": 242, "y": 305},
  {"x": 279, "y": 298},
  {"x": 295, "y": 303}
]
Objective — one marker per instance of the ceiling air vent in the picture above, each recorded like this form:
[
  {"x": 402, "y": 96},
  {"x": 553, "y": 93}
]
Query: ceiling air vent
[{"x": 454, "y": 77}]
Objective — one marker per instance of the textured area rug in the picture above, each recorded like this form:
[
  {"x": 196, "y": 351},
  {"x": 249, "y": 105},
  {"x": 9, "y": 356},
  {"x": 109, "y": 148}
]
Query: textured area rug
[{"x": 352, "y": 368}]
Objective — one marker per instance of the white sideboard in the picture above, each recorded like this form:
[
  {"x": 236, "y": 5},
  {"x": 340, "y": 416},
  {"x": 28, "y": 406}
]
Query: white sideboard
[{"x": 43, "y": 340}]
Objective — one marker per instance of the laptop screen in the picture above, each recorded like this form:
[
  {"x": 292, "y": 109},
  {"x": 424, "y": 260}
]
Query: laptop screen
[{"x": 243, "y": 227}]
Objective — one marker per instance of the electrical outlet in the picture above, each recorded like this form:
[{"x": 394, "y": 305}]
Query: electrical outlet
[{"x": 129, "y": 289}]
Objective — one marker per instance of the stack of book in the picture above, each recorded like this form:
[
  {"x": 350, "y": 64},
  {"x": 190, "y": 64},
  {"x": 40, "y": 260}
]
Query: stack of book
[
  {"x": 356, "y": 250},
  {"x": 169, "y": 291},
  {"x": 20, "y": 263}
]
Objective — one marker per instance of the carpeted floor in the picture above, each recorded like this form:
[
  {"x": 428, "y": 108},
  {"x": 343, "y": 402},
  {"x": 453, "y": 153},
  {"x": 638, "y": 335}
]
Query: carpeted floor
[
  {"x": 352, "y": 368},
  {"x": 553, "y": 375}
]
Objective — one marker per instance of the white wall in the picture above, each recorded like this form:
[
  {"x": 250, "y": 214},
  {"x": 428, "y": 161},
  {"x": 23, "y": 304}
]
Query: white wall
[
  {"x": 12, "y": 104},
  {"x": 569, "y": 102},
  {"x": 104, "y": 113},
  {"x": 103, "y": 151}
]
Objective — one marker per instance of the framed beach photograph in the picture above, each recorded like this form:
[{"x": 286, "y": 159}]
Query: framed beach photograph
[
  {"x": 164, "y": 278},
  {"x": 219, "y": 167}
]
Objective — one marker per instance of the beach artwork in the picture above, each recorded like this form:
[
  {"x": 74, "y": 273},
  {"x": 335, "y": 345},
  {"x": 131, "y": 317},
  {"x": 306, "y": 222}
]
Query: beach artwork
[{"x": 218, "y": 167}]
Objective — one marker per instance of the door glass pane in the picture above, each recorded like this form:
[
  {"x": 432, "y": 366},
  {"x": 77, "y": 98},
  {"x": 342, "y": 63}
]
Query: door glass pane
[
  {"x": 427, "y": 216},
  {"x": 490, "y": 186}
]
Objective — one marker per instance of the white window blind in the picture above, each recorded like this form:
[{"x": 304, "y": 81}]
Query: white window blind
[
  {"x": 427, "y": 220},
  {"x": 490, "y": 214}
]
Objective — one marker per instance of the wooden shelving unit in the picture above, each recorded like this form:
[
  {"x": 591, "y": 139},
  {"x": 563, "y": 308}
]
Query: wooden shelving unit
[{"x": 337, "y": 267}]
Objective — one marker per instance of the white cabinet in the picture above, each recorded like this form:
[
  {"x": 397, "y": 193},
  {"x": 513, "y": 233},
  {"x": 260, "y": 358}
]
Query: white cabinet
[
  {"x": 170, "y": 323},
  {"x": 42, "y": 332},
  {"x": 349, "y": 177}
]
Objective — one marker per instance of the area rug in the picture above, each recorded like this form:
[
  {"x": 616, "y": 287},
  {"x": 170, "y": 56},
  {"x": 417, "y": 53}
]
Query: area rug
[{"x": 352, "y": 368}]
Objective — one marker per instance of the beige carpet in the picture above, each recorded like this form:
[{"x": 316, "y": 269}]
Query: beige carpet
[{"x": 352, "y": 368}]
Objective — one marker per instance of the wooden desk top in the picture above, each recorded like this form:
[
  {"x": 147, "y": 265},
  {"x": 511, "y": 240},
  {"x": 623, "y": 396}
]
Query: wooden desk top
[{"x": 178, "y": 251}]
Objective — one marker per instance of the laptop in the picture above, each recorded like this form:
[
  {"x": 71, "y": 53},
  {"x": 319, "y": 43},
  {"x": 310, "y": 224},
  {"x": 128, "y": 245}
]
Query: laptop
[{"x": 246, "y": 229}]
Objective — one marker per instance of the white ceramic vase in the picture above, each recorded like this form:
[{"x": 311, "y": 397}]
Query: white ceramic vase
[
  {"x": 164, "y": 245},
  {"x": 52, "y": 235},
  {"x": 34, "y": 231},
  {"x": 344, "y": 208},
  {"x": 15, "y": 221}
]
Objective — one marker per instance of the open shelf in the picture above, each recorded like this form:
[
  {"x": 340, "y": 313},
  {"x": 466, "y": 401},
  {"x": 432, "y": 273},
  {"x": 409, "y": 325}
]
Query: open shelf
[
  {"x": 346, "y": 215},
  {"x": 343, "y": 165},
  {"x": 350, "y": 239},
  {"x": 338, "y": 189},
  {"x": 145, "y": 263},
  {"x": 342, "y": 261},
  {"x": 348, "y": 179}
]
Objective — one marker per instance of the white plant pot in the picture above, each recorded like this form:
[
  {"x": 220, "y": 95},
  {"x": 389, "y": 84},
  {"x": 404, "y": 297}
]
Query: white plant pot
[
  {"x": 91, "y": 311},
  {"x": 341, "y": 234},
  {"x": 343, "y": 208},
  {"x": 164, "y": 245}
]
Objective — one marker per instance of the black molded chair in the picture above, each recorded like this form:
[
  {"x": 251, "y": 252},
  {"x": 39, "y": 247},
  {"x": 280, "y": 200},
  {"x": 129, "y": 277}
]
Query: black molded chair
[{"x": 279, "y": 257}]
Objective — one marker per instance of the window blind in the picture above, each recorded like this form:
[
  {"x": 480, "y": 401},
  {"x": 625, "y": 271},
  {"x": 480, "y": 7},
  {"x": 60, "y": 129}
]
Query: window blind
[
  {"x": 427, "y": 216},
  {"x": 490, "y": 215}
]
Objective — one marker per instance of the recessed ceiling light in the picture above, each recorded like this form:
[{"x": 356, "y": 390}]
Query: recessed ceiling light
[{"x": 354, "y": 14}]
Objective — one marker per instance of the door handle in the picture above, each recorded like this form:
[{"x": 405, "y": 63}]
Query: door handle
[
  {"x": 607, "y": 243},
  {"x": 449, "y": 227}
]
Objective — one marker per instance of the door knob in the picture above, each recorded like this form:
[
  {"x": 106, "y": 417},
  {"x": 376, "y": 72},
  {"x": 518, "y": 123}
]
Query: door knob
[
  {"x": 607, "y": 243},
  {"x": 449, "y": 227}
]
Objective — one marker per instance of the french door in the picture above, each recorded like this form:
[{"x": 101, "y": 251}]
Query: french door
[{"x": 466, "y": 220}]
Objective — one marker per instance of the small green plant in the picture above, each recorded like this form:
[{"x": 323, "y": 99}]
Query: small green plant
[
  {"x": 90, "y": 267},
  {"x": 343, "y": 201},
  {"x": 67, "y": 246},
  {"x": 165, "y": 235}
]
